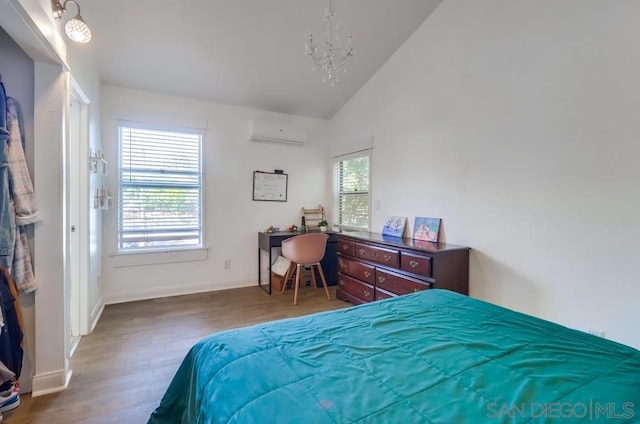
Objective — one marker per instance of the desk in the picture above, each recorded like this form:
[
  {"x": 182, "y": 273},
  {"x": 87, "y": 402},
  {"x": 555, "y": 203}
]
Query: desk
[{"x": 267, "y": 241}]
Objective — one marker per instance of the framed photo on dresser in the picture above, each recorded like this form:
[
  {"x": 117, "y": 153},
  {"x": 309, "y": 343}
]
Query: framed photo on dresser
[
  {"x": 426, "y": 229},
  {"x": 394, "y": 226}
]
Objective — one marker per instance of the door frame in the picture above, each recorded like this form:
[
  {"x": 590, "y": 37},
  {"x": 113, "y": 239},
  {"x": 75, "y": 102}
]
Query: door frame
[{"x": 78, "y": 198}]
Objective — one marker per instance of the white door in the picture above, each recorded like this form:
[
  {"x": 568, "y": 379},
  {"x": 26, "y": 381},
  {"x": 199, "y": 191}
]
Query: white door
[
  {"x": 74, "y": 216},
  {"x": 77, "y": 203}
]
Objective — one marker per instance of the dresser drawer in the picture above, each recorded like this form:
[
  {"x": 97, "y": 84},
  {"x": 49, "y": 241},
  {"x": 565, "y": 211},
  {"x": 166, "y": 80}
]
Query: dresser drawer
[
  {"x": 343, "y": 295},
  {"x": 355, "y": 288},
  {"x": 383, "y": 294},
  {"x": 416, "y": 264},
  {"x": 399, "y": 284},
  {"x": 388, "y": 257},
  {"x": 356, "y": 269},
  {"x": 345, "y": 247}
]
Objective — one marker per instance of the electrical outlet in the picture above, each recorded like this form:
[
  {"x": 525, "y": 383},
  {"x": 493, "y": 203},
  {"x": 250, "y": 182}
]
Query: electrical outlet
[{"x": 227, "y": 264}]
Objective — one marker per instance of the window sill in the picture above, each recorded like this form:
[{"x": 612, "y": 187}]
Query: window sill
[{"x": 156, "y": 257}]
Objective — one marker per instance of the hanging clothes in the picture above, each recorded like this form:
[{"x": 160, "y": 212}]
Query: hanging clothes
[
  {"x": 17, "y": 209},
  {"x": 7, "y": 223},
  {"x": 24, "y": 199},
  {"x": 11, "y": 334},
  {"x": 20, "y": 185}
]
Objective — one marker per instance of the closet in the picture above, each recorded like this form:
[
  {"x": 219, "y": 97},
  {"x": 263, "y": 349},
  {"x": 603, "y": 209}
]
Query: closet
[{"x": 18, "y": 213}]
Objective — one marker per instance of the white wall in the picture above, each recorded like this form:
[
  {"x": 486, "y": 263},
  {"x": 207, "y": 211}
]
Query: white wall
[
  {"x": 51, "y": 309},
  {"x": 232, "y": 220},
  {"x": 517, "y": 124}
]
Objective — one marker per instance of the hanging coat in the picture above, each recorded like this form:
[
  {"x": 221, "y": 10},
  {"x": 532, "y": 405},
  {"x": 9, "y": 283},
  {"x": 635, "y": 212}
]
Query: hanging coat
[
  {"x": 7, "y": 223},
  {"x": 20, "y": 185},
  {"x": 24, "y": 199}
]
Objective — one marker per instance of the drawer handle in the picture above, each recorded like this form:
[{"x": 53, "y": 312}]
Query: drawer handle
[
  {"x": 361, "y": 251},
  {"x": 381, "y": 279},
  {"x": 387, "y": 258},
  {"x": 416, "y": 290},
  {"x": 367, "y": 274},
  {"x": 366, "y": 293},
  {"x": 414, "y": 264},
  {"x": 345, "y": 247},
  {"x": 341, "y": 282},
  {"x": 373, "y": 254}
]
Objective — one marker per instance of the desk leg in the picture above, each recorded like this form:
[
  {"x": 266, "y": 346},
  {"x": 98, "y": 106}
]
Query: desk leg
[
  {"x": 266, "y": 289},
  {"x": 269, "y": 268}
]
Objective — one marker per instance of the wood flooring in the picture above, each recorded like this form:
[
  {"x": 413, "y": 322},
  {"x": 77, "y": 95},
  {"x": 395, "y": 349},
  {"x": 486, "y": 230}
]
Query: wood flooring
[{"x": 122, "y": 369}]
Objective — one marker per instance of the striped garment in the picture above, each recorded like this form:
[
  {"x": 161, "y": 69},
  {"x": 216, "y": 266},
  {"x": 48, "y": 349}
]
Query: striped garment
[{"x": 24, "y": 202}]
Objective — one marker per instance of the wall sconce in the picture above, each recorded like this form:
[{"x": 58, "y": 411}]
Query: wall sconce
[{"x": 76, "y": 29}]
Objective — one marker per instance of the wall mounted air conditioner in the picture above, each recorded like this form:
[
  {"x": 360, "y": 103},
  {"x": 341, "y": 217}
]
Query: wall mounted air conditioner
[{"x": 276, "y": 132}]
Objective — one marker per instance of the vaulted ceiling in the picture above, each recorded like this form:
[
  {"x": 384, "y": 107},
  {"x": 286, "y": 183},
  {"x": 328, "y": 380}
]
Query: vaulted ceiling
[{"x": 244, "y": 52}]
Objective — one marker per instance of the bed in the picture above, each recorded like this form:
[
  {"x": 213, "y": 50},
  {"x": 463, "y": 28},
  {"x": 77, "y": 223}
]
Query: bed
[{"x": 434, "y": 357}]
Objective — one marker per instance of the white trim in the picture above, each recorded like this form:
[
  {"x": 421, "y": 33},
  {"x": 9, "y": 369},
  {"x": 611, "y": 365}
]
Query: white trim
[
  {"x": 84, "y": 196},
  {"x": 30, "y": 27},
  {"x": 96, "y": 313},
  {"x": 138, "y": 125},
  {"x": 355, "y": 154},
  {"x": 75, "y": 342},
  {"x": 137, "y": 258},
  {"x": 50, "y": 382},
  {"x": 78, "y": 92},
  {"x": 346, "y": 148}
]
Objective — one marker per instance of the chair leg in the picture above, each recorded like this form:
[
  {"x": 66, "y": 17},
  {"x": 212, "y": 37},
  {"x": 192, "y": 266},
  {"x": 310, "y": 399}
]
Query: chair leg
[
  {"x": 295, "y": 292},
  {"x": 324, "y": 281},
  {"x": 313, "y": 277},
  {"x": 287, "y": 275}
]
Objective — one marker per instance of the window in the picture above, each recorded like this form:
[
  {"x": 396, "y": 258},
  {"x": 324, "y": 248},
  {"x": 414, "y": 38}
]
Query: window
[
  {"x": 160, "y": 189},
  {"x": 351, "y": 189}
]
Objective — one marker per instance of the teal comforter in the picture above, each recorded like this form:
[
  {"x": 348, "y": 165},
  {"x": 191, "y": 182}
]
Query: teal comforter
[{"x": 432, "y": 357}]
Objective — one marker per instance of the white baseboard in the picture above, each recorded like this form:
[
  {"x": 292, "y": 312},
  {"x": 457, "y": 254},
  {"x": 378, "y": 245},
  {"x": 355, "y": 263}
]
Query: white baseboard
[
  {"x": 50, "y": 382},
  {"x": 95, "y": 315},
  {"x": 113, "y": 298}
]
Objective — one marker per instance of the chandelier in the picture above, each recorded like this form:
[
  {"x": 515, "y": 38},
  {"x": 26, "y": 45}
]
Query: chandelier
[{"x": 329, "y": 57}]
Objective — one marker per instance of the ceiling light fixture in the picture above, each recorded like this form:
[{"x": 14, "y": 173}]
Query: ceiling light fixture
[
  {"x": 76, "y": 29},
  {"x": 330, "y": 58}
]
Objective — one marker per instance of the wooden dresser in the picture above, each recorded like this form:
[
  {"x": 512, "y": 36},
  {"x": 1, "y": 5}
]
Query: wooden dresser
[{"x": 372, "y": 267}]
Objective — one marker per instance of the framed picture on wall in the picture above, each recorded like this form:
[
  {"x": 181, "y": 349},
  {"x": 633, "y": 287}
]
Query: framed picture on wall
[{"x": 270, "y": 186}]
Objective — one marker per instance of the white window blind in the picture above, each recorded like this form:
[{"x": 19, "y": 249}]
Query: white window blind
[
  {"x": 160, "y": 189},
  {"x": 351, "y": 191}
]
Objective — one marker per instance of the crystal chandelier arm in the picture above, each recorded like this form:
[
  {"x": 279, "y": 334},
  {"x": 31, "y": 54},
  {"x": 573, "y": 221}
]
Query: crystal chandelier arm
[{"x": 329, "y": 57}]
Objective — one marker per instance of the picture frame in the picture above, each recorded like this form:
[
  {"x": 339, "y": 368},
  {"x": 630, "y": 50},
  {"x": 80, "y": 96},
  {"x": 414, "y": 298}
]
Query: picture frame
[
  {"x": 394, "y": 226},
  {"x": 426, "y": 229},
  {"x": 270, "y": 186}
]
